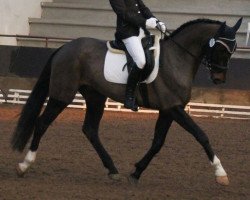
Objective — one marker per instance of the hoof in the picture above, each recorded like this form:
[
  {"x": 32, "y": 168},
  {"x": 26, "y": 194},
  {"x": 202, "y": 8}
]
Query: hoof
[
  {"x": 115, "y": 177},
  {"x": 19, "y": 171},
  {"x": 133, "y": 180},
  {"x": 222, "y": 180}
]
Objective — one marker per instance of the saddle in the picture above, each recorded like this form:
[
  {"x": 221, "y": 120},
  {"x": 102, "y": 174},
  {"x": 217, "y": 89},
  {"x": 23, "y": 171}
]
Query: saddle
[{"x": 147, "y": 43}]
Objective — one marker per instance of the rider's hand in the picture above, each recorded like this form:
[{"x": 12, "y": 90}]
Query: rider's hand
[
  {"x": 162, "y": 27},
  {"x": 151, "y": 22}
]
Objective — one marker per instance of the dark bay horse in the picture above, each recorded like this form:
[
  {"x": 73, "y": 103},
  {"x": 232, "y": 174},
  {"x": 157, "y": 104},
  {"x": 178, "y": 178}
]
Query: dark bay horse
[{"x": 78, "y": 66}]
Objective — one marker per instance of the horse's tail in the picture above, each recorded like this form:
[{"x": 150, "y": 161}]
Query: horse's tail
[{"x": 32, "y": 109}]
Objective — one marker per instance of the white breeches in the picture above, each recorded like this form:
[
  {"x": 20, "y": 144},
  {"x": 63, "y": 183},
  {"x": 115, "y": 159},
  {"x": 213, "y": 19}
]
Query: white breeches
[{"x": 135, "y": 49}]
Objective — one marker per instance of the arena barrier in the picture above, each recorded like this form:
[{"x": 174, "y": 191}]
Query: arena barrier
[
  {"x": 194, "y": 109},
  {"x": 1, "y": 98}
]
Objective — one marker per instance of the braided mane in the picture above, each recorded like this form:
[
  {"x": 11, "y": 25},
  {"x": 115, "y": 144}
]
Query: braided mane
[{"x": 197, "y": 21}]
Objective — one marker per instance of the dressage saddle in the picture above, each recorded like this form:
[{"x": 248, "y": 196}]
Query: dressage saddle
[{"x": 147, "y": 43}]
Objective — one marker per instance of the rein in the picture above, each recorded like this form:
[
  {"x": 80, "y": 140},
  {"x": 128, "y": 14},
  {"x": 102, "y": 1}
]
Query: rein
[
  {"x": 176, "y": 43},
  {"x": 207, "y": 61}
]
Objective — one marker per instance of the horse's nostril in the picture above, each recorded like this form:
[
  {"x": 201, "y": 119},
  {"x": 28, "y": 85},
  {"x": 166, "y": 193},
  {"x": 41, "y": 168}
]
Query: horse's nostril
[{"x": 218, "y": 81}]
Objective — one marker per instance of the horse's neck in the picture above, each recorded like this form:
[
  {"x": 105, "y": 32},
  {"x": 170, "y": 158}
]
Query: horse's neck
[
  {"x": 192, "y": 38},
  {"x": 195, "y": 36}
]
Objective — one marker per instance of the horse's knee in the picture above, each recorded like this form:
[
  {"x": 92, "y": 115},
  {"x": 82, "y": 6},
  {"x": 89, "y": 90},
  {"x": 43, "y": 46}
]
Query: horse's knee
[
  {"x": 156, "y": 147},
  {"x": 89, "y": 133},
  {"x": 203, "y": 139},
  {"x": 85, "y": 131}
]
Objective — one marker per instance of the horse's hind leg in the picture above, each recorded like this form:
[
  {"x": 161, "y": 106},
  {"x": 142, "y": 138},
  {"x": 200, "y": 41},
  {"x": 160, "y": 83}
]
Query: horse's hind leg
[
  {"x": 95, "y": 107},
  {"x": 52, "y": 110}
]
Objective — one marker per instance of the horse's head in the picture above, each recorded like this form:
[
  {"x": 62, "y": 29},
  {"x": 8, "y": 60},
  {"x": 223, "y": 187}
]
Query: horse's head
[{"x": 219, "y": 51}]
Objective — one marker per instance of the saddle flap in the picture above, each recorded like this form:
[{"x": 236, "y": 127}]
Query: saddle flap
[{"x": 115, "y": 62}]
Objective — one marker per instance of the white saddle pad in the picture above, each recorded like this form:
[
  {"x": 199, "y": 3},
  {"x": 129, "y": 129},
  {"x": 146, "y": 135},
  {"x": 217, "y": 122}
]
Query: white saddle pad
[{"x": 114, "y": 63}]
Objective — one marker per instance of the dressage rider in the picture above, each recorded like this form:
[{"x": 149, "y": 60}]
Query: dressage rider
[{"x": 131, "y": 16}]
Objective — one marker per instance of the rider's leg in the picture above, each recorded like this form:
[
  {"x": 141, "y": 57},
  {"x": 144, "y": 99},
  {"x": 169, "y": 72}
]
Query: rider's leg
[{"x": 135, "y": 49}]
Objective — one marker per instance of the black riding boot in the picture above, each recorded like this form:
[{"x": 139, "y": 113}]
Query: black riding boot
[{"x": 133, "y": 79}]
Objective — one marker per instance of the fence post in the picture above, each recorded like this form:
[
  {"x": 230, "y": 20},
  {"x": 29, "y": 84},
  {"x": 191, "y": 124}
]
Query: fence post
[
  {"x": 223, "y": 112},
  {"x": 119, "y": 107},
  {"x": 106, "y": 103},
  {"x": 16, "y": 98}
]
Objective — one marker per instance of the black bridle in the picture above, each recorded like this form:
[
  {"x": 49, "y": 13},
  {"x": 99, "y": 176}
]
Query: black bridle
[{"x": 229, "y": 44}]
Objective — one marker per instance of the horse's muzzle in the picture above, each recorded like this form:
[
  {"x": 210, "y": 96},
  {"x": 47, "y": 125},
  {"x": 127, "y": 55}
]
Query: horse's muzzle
[
  {"x": 218, "y": 78},
  {"x": 217, "y": 81}
]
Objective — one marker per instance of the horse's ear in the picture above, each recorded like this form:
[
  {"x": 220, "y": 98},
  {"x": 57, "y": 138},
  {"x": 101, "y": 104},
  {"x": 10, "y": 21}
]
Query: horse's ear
[
  {"x": 221, "y": 29},
  {"x": 238, "y": 24}
]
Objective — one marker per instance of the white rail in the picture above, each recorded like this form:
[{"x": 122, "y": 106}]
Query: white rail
[
  {"x": 218, "y": 110},
  {"x": 195, "y": 109}
]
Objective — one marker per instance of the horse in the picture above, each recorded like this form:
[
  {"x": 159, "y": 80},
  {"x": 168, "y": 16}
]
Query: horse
[{"x": 78, "y": 67}]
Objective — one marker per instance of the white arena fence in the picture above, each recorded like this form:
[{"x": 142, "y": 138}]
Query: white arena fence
[{"x": 194, "y": 109}]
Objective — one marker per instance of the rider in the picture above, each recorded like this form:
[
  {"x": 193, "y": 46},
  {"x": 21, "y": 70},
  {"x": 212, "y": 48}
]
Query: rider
[{"x": 131, "y": 16}]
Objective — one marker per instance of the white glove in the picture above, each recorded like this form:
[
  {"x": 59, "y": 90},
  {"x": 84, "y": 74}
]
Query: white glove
[
  {"x": 151, "y": 22},
  {"x": 162, "y": 26}
]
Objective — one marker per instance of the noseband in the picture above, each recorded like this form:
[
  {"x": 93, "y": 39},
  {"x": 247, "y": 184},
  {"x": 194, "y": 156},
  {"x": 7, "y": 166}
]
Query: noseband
[{"x": 229, "y": 44}]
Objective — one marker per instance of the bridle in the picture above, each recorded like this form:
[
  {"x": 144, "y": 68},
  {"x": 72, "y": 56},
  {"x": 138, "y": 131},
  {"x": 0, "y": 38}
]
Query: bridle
[
  {"x": 229, "y": 44},
  {"x": 209, "y": 48}
]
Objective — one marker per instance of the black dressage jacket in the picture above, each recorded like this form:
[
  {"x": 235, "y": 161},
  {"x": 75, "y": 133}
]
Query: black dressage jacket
[{"x": 131, "y": 16}]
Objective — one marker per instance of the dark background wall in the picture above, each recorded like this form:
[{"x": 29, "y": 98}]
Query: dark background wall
[
  {"x": 238, "y": 76},
  {"x": 27, "y": 62},
  {"x": 19, "y": 66}
]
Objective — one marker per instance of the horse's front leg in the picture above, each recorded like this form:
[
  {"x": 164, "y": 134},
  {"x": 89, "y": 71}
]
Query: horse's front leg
[
  {"x": 184, "y": 120},
  {"x": 162, "y": 125}
]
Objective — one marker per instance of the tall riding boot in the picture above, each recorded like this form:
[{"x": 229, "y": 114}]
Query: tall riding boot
[{"x": 133, "y": 79}]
